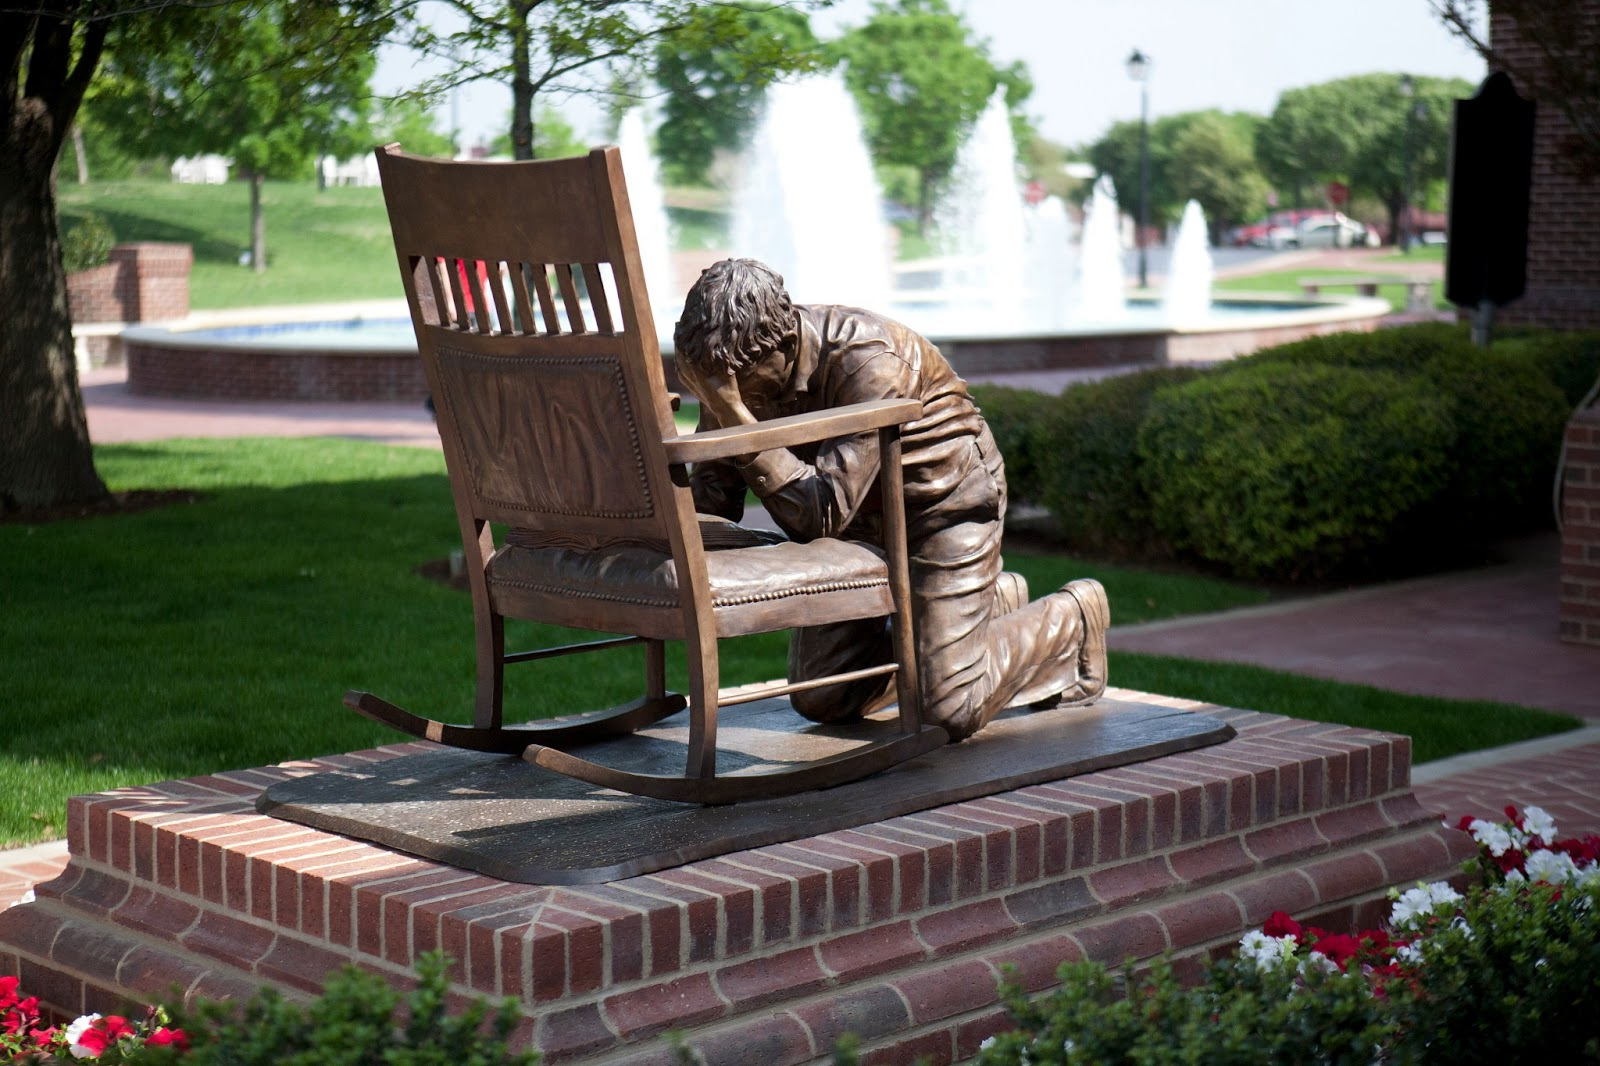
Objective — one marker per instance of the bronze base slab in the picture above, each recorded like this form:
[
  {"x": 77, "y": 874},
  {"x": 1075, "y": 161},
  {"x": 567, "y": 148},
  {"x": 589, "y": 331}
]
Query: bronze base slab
[{"x": 500, "y": 816}]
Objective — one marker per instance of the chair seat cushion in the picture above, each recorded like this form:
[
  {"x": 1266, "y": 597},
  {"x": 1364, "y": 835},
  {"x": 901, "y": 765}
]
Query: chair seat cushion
[{"x": 770, "y": 569}]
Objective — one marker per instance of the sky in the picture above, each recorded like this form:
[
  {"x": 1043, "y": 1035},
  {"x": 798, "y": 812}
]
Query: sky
[{"x": 1236, "y": 55}]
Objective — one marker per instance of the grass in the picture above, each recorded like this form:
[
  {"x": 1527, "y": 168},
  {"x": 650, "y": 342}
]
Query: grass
[
  {"x": 1289, "y": 281},
  {"x": 1420, "y": 253},
  {"x": 223, "y": 633},
  {"x": 321, "y": 246}
]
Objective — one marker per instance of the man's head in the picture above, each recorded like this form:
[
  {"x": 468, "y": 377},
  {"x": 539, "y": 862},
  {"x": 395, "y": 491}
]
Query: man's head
[{"x": 736, "y": 317}]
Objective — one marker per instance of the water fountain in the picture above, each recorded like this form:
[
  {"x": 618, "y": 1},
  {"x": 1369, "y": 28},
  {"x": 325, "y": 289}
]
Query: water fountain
[
  {"x": 1187, "y": 298},
  {"x": 981, "y": 222},
  {"x": 808, "y": 203},
  {"x": 1102, "y": 295},
  {"x": 650, "y": 224}
]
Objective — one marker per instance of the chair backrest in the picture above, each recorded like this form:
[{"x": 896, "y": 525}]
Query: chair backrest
[{"x": 535, "y": 331}]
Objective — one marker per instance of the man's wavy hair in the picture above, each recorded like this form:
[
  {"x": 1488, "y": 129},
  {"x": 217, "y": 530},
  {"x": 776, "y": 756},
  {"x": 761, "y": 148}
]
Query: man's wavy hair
[{"x": 734, "y": 314}]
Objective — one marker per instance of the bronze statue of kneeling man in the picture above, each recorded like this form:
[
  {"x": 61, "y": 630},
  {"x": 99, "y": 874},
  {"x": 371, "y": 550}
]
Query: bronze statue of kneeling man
[{"x": 750, "y": 354}]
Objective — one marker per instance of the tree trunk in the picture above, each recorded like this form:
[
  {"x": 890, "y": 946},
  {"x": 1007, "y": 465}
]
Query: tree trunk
[
  {"x": 45, "y": 456},
  {"x": 80, "y": 155},
  {"x": 258, "y": 226},
  {"x": 521, "y": 87}
]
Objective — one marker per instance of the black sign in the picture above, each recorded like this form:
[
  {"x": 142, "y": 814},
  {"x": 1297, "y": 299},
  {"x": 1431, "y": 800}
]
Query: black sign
[{"x": 1491, "y": 170}]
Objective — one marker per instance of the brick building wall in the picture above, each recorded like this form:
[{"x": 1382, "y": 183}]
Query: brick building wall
[
  {"x": 144, "y": 282},
  {"x": 1580, "y": 531},
  {"x": 1564, "y": 210}
]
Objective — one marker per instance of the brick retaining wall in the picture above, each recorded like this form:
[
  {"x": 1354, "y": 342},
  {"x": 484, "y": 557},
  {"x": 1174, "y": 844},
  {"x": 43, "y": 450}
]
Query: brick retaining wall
[
  {"x": 239, "y": 373},
  {"x": 147, "y": 281},
  {"x": 1580, "y": 531},
  {"x": 897, "y": 931}
]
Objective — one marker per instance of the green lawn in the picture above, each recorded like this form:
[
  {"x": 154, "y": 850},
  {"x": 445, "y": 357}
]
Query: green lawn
[
  {"x": 222, "y": 633},
  {"x": 321, "y": 246},
  {"x": 1289, "y": 281}
]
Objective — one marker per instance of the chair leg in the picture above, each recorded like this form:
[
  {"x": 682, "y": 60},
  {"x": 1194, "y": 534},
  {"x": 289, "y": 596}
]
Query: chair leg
[
  {"x": 491, "y": 641},
  {"x": 704, "y": 679},
  {"x": 655, "y": 669}
]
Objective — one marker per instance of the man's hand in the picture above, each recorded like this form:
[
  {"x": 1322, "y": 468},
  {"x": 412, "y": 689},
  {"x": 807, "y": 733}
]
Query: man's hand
[{"x": 719, "y": 395}]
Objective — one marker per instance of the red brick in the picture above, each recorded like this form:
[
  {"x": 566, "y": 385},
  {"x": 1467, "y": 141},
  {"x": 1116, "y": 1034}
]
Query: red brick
[
  {"x": 934, "y": 995},
  {"x": 90, "y": 952},
  {"x": 299, "y": 964},
  {"x": 1201, "y": 919},
  {"x": 1352, "y": 824},
  {"x": 867, "y": 1012},
  {"x": 158, "y": 915},
  {"x": 1413, "y": 859},
  {"x": 565, "y": 1034},
  {"x": 790, "y": 974},
  {"x": 1132, "y": 881},
  {"x": 98, "y": 893},
  {"x": 1139, "y": 936},
  {"x": 1345, "y": 876},
  {"x": 155, "y": 974},
  {"x": 1285, "y": 840},
  {"x": 228, "y": 940},
  {"x": 964, "y": 926},
  {"x": 876, "y": 870},
  {"x": 56, "y": 990},
  {"x": 1214, "y": 861},
  {"x": 1052, "y": 903},
  {"x": 856, "y": 956},
  {"x": 683, "y": 1002},
  {"x": 971, "y": 1034},
  {"x": 774, "y": 1039},
  {"x": 773, "y": 897},
  {"x": 1033, "y": 965}
]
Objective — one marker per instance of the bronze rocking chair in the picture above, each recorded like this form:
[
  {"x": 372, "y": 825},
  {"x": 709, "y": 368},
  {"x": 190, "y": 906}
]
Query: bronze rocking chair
[{"x": 534, "y": 327}]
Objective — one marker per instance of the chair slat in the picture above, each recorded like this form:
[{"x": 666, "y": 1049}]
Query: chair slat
[
  {"x": 569, "y": 297},
  {"x": 526, "y": 323},
  {"x": 453, "y": 269},
  {"x": 619, "y": 318},
  {"x": 547, "y": 302},
  {"x": 480, "y": 305},
  {"x": 502, "y": 307},
  {"x": 431, "y": 265},
  {"x": 597, "y": 298}
]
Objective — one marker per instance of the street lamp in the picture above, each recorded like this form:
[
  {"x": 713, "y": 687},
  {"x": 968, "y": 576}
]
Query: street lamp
[
  {"x": 1139, "y": 71},
  {"x": 1407, "y": 89}
]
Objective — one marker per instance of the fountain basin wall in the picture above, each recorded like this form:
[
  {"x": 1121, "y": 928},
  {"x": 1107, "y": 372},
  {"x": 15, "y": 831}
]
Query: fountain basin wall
[{"x": 241, "y": 355}]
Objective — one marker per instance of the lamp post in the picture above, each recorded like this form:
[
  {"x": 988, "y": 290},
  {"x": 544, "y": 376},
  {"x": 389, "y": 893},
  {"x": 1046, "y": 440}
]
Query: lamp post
[
  {"x": 1139, "y": 71},
  {"x": 1407, "y": 89}
]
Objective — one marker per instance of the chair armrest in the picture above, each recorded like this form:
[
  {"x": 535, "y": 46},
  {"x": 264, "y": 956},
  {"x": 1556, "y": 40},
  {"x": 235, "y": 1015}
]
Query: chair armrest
[{"x": 844, "y": 421}]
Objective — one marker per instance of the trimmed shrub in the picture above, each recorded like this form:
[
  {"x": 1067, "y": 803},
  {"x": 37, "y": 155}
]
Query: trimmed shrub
[
  {"x": 1507, "y": 409},
  {"x": 1571, "y": 361},
  {"x": 1276, "y": 470},
  {"x": 1089, "y": 466},
  {"x": 87, "y": 244},
  {"x": 1015, "y": 417}
]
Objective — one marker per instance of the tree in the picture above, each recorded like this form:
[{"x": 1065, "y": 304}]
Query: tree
[
  {"x": 713, "y": 93},
  {"x": 921, "y": 80},
  {"x": 1559, "y": 69},
  {"x": 1117, "y": 154},
  {"x": 410, "y": 123},
  {"x": 274, "y": 85},
  {"x": 1213, "y": 162},
  {"x": 539, "y": 46},
  {"x": 49, "y": 54},
  {"x": 553, "y": 137},
  {"x": 1306, "y": 141}
]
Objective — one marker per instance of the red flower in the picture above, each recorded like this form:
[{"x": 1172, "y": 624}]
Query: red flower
[
  {"x": 1465, "y": 825},
  {"x": 1511, "y": 860},
  {"x": 1580, "y": 850},
  {"x": 164, "y": 1036},
  {"x": 1340, "y": 948},
  {"x": 94, "y": 1040},
  {"x": 8, "y": 991},
  {"x": 115, "y": 1026},
  {"x": 43, "y": 1036},
  {"x": 1280, "y": 924},
  {"x": 1375, "y": 937},
  {"x": 1511, "y": 813}
]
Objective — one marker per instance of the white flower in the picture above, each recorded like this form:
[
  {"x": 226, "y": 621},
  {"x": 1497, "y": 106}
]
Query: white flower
[
  {"x": 1460, "y": 923},
  {"x": 1318, "y": 961},
  {"x": 1418, "y": 903},
  {"x": 1409, "y": 953},
  {"x": 1588, "y": 875},
  {"x": 1267, "y": 952},
  {"x": 1494, "y": 837},
  {"x": 75, "y": 1033},
  {"x": 1538, "y": 823},
  {"x": 1551, "y": 867},
  {"x": 1515, "y": 877}
]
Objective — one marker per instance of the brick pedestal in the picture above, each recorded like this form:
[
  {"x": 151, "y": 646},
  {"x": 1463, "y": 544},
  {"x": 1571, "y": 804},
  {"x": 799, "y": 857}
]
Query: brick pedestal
[
  {"x": 1580, "y": 531},
  {"x": 897, "y": 931},
  {"x": 143, "y": 282}
]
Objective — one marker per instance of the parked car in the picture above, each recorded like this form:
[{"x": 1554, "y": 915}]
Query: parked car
[
  {"x": 1277, "y": 230},
  {"x": 1334, "y": 230}
]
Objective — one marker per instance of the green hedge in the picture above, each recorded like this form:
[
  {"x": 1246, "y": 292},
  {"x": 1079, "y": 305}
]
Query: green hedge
[
  {"x": 1277, "y": 470},
  {"x": 1015, "y": 417}
]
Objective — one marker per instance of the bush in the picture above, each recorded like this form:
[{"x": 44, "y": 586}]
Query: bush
[
  {"x": 87, "y": 244},
  {"x": 1507, "y": 410},
  {"x": 1293, "y": 471},
  {"x": 1088, "y": 465},
  {"x": 1015, "y": 417},
  {"x": 1571, "y": 361}
]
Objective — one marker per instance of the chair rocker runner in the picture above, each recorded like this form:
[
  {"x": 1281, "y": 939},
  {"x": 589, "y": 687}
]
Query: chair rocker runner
[{"x": 534, "y": 327}]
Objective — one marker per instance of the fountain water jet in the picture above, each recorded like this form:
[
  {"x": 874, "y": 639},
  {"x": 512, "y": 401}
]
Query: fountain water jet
[
  {"x": 808, "y": 203},
  {"x": 650, "y": 222},
  {"x": 1101, "y": 293},
  {"x": 981, "y": 222},
  {"x": 1187, "y": 298}
]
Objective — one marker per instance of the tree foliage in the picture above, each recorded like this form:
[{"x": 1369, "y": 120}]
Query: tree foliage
[
  {"x": 1362, "y": 131},
  {"x": 1204, "y": 155},
  {"x": 713, "y": 93},
  {"x": 1560, "y": 69},
  {"x": 921, "y": 79},
  {"x": 408, "y": 121},
  {"x": 273, "y": 85}
]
